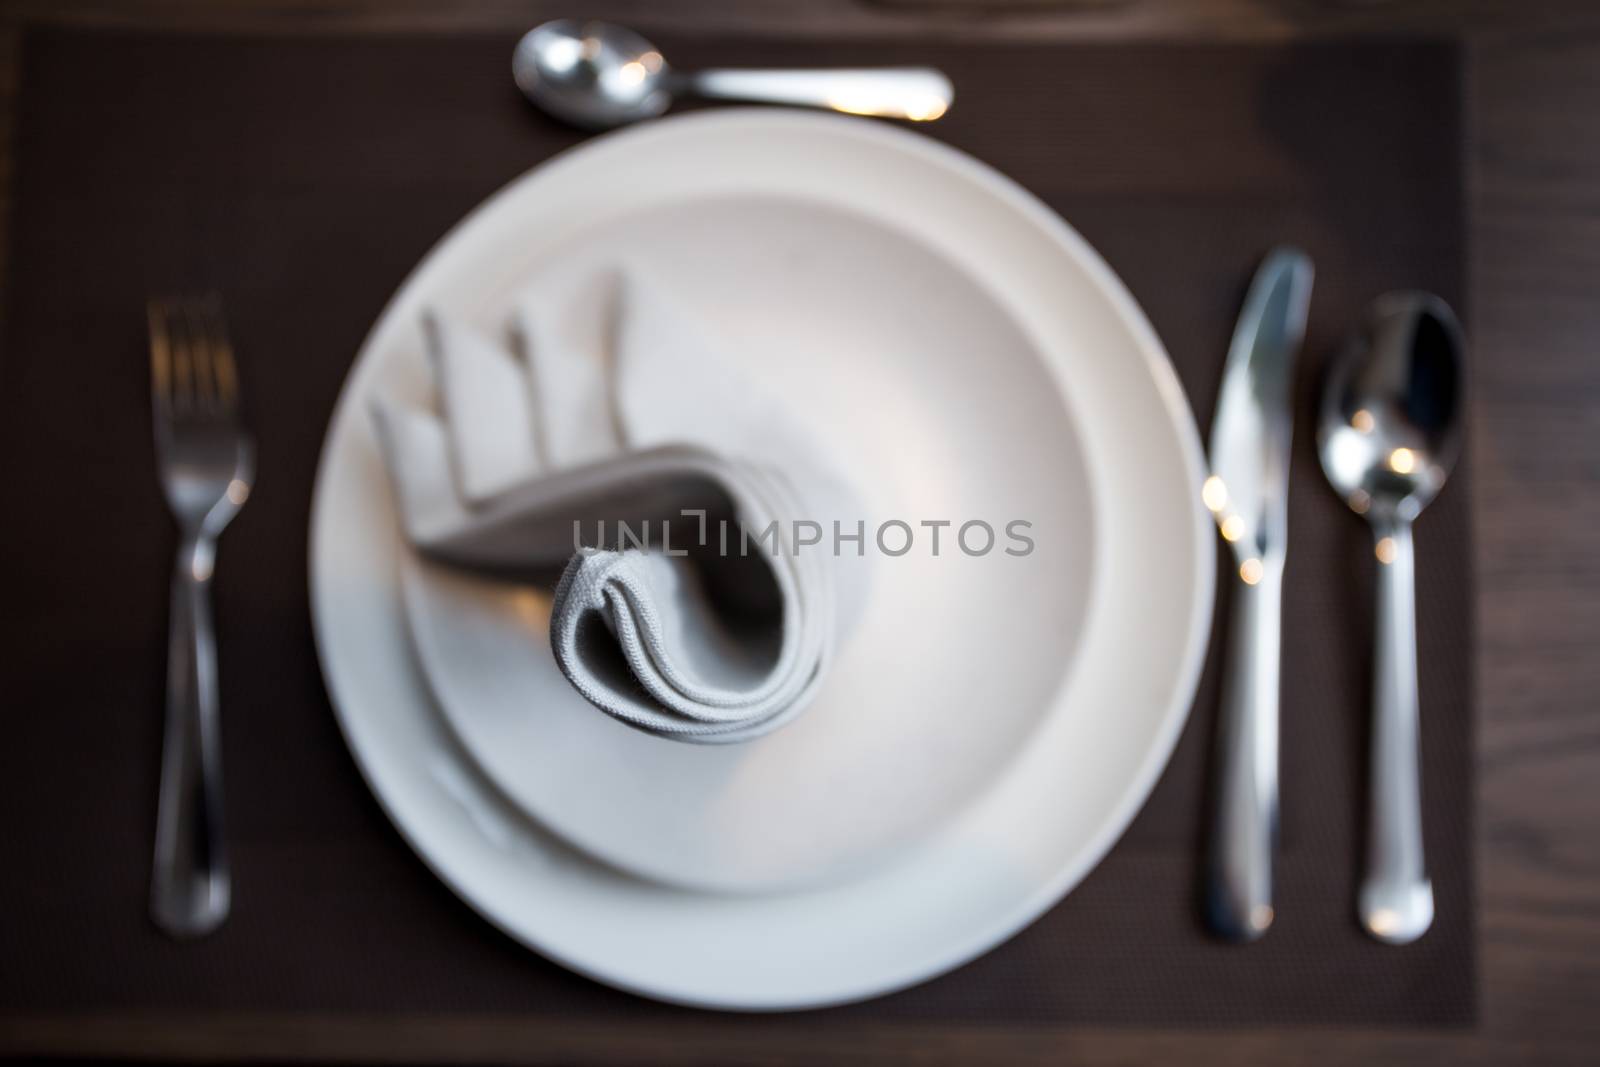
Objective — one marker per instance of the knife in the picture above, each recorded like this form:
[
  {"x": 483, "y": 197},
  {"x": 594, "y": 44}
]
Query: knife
[{"x": 1248, "y": 492}]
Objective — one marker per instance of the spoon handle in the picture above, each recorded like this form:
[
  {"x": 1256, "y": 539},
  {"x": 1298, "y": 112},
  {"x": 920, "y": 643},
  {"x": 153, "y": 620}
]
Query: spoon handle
[
  {"x": 920, "y": 94},
  {"x": 1244, "y": 835},
  {"x": 1396, "y": 901}
]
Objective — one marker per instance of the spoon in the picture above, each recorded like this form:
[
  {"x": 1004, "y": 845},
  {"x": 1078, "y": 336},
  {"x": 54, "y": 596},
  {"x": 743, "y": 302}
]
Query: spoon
[
  {"x": 597, "y": 75},
  {"x": 1389, "y": 433}
]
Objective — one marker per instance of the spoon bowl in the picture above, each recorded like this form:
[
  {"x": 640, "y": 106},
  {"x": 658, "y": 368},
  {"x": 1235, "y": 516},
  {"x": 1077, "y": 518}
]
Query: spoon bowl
[
  {"x": 1390, "y": 425},
  {"x": 591, "y": 74}
]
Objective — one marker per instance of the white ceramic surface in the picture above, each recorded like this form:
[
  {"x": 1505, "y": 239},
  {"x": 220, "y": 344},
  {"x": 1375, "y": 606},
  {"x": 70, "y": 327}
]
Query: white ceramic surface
[
  {"x": 952, "y": 660},
  {"x": 1099, "y": 724}
]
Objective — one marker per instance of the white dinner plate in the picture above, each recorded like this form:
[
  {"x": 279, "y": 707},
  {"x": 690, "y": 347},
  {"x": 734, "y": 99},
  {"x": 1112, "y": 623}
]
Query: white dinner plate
[{"x": 993, "y": 730}]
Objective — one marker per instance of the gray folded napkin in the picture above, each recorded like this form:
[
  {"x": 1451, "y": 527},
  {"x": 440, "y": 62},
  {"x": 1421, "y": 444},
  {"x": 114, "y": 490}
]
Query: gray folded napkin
[{"x": 613, "y": 438}]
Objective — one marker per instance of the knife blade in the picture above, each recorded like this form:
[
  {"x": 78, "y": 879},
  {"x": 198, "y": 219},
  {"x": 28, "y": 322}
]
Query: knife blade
[{"x": 1248, "y": 492}]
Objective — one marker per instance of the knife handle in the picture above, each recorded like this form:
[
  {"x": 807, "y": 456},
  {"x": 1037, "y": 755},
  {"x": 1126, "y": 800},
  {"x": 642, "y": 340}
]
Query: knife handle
[{"x": 1245, "y": 831}]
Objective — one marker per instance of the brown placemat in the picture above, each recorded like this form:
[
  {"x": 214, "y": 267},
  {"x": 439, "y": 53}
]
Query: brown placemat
[{"x": 305, "y": 177}]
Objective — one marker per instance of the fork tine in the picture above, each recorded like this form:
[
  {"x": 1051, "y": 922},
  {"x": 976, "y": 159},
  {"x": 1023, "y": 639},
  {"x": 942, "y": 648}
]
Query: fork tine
[
  {"x": 160, "y": 355},
  {"x": 180, "y": 333},
  {"x": 199, "y": 330},
  {"x": 224, "y": 373}
]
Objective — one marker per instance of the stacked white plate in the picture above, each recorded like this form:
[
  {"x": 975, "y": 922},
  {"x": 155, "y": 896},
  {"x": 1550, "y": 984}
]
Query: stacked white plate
[{"x": 994, "y": 720}]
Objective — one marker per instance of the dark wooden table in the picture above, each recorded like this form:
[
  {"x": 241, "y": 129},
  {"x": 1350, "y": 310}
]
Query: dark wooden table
[{"x": 1534, "y": 236}]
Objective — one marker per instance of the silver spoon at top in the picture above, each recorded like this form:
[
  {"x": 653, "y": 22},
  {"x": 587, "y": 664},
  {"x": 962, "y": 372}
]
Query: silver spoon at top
[
  {"x": 1390, "y": 430},
  {"x": 597, "y": 75}
]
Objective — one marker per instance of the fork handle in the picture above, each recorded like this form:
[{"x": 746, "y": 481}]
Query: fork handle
[{"x": 189, "y": 888}]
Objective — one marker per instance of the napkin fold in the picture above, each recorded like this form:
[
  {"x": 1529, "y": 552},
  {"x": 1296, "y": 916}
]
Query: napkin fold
[{"x": 612, "y": 438}]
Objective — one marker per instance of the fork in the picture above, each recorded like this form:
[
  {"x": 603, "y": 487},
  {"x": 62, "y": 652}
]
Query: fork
[{"x": 207, "y": 463}]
